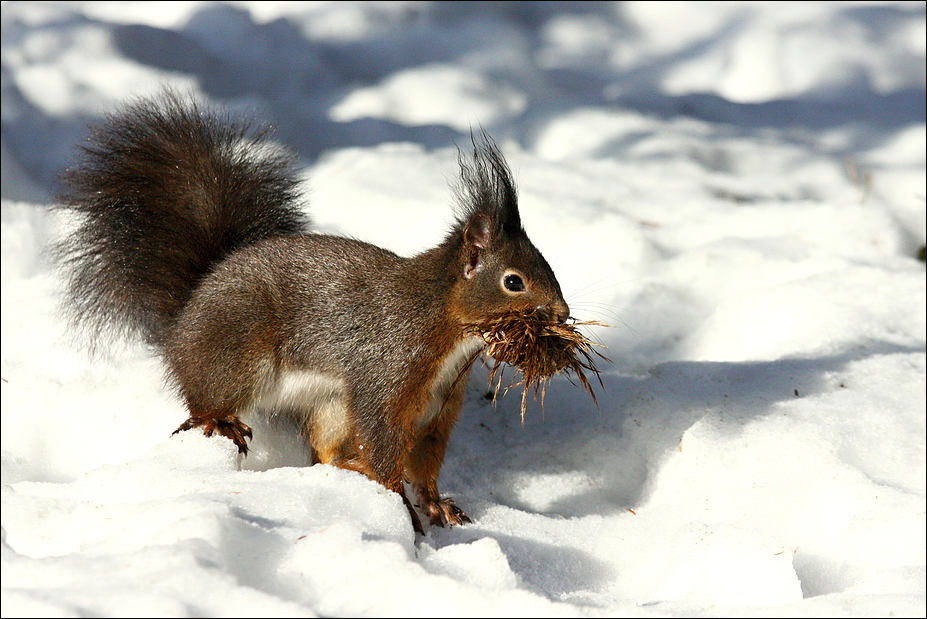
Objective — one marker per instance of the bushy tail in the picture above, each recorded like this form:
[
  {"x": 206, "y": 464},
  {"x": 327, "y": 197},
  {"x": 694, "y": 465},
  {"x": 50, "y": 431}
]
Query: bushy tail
[{"x": 164, "y": 190}]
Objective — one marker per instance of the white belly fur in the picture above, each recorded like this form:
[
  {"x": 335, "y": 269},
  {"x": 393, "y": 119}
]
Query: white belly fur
[
  {"x": 316, "y": 399},
  {"x": 447, "y": 374}
]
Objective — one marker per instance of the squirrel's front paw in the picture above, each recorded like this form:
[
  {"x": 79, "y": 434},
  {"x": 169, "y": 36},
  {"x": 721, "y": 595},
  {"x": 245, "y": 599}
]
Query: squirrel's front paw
[{"x": 445, "y": 512}]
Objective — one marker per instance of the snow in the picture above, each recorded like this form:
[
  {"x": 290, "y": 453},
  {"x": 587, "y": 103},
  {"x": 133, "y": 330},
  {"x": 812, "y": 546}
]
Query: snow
[{"x": 739, "y": 188}]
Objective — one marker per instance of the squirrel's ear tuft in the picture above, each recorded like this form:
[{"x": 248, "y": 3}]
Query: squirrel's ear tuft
[{"x": 486, "y": 190}]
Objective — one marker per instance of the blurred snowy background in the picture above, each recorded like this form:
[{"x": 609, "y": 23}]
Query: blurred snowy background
[{"x": 738, "y": 187}]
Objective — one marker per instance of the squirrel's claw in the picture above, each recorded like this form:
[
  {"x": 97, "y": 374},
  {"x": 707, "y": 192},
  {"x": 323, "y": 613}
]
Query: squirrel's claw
[{"x": 416, "y": 521}]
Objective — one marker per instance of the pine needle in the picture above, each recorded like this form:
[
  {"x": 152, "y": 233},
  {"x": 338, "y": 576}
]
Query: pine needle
[{"x": 538, "y": 349}]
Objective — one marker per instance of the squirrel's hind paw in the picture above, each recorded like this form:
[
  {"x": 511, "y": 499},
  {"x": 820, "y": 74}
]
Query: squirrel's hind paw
[{"x": 228, "y": 426}]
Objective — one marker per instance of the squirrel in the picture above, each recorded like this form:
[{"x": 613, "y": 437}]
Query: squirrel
[{"x": 191, "y": 235}]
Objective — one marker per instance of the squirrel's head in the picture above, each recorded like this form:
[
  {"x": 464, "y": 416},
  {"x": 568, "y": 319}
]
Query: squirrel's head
[{"x": 500, "y": 269}]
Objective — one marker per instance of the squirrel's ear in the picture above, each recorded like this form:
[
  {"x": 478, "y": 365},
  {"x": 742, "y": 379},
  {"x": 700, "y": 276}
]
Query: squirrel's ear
[
  {"x": 477, "y": 234},
  {"x": 478, "y": 231}
]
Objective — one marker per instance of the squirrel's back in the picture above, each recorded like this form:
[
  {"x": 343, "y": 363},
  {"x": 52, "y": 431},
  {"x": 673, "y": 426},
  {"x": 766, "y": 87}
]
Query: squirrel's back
[{"x": 164, "y": 190}]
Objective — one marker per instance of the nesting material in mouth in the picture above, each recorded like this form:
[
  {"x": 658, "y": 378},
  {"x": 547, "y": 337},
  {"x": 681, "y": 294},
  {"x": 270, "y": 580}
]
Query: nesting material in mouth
[{"x": 538, "y": 349}]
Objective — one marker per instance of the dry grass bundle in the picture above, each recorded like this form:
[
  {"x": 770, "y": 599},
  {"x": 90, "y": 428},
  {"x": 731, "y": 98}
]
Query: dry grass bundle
[{"x": 538, "y": 349}]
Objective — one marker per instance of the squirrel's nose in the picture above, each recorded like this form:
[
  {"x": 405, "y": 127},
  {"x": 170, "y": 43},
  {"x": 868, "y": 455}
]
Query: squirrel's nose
[{"x": 558, "y": 311}]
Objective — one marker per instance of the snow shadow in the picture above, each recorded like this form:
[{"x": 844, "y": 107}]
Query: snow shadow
[{"x": 577, "y": 460}]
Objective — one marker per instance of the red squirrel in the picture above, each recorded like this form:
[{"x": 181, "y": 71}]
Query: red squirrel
[{"x": 191, "y": 235}]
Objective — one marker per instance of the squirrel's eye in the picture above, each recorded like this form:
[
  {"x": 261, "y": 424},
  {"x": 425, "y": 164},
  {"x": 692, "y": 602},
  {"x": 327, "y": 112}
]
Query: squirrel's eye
[{"x": 513, "y": 283}]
